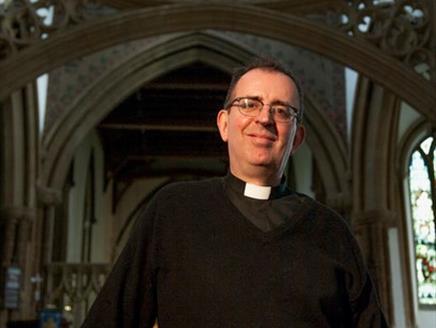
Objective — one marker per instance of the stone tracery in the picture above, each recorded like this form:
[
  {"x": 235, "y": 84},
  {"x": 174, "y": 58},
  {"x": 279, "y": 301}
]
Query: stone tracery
[
  {"x": 400, "y": 28},
  {"x": 23, "y": 22}
]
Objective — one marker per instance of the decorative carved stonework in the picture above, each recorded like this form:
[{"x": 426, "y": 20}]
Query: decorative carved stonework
[
  {"x": 399, "y": 28},
  {"x": 74, "y": 286},
  {"x": 48, "y": 196},
  {"x": 23, "y": 23},
  {"x": 17, "y": 213},
  {"x": 76, "y": 281},
  {"x": 388, "y": 218}
]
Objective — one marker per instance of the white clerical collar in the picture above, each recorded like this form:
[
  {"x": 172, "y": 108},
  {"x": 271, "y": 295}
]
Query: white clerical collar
[{"x": 257, "y": 192}]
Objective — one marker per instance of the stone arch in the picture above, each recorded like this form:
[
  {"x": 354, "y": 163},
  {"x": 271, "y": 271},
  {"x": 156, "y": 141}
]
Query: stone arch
[
  {"x": 60, "y": 143},
  {"x": 132, "y": 25}
]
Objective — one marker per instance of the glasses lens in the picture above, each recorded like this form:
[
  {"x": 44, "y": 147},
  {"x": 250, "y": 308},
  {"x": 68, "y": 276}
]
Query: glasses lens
[
  {"x": 250, "y": 106},
  {"x": 282, "y": 113}
]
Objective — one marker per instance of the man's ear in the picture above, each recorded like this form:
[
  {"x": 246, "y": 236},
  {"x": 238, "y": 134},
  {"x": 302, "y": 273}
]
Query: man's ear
[
  {"x": 222, "y": 123},
  {"x": 299, "y": 138}
]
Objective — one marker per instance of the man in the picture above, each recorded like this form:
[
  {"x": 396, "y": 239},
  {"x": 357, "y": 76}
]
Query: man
[{"x": 243, "y": 250}]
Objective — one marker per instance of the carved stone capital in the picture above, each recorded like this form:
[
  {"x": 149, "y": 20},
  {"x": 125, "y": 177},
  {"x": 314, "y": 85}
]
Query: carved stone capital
[
  {"x": 373, "y": 217},
  {"x": 17, "y": 213},
  {"x": 48, "y": 196}
]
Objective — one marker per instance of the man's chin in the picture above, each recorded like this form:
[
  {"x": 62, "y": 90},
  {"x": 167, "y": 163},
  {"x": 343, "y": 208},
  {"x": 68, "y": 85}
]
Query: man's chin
[
  {"x": 263, "y": 165},
  {"x": 261, "y": 159}
]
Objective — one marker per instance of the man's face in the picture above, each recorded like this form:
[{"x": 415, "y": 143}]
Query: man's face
[{"x": 258, "y": 146}]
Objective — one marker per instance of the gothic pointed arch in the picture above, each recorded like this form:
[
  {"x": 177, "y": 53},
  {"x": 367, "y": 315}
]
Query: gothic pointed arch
[
  {"x": 64, "y": 136},
  {"x": 61, "y": 141},
  {"x": 133, "y": 25}
]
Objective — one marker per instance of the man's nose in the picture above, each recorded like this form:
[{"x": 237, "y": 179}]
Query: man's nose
[{"x": 265, "y": 115}]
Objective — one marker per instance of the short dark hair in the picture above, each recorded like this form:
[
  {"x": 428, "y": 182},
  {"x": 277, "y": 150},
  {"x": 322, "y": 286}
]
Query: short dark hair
[{"x": 268, "y": 64}]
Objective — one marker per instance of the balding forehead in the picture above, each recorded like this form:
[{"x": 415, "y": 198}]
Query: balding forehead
[{"x": 252, "y": 81}]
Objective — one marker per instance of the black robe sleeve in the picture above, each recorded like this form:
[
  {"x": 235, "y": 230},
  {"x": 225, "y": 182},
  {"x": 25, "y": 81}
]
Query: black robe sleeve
[
  {"x": 365, "y": 306},
  {"x": 128, "y": 297}
]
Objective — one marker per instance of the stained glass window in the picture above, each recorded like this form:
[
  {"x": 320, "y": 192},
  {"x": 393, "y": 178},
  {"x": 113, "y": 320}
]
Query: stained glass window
[{"x": 422, "y": 183}]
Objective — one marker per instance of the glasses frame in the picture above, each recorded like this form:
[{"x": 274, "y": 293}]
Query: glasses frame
[{"x": 292, "y": 110}]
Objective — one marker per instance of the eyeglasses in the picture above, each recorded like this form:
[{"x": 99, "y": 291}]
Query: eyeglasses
[{"x": 252, "y": 107}]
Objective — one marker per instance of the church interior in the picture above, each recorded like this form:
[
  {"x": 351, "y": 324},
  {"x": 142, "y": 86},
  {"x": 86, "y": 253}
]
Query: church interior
[{"x": 103, "y": 102}]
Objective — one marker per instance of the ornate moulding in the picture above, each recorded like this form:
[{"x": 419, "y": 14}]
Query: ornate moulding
[
  {"x": 399, "y": 28},
  {"x": 30, "y": 47}
]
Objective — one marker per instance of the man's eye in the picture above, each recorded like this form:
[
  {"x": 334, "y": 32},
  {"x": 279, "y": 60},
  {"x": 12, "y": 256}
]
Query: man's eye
[
  {"x": 282, "y": 111},
  {"x": 249, "y": 104}
]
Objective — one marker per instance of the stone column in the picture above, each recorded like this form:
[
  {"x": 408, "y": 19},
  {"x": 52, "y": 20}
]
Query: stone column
[
  {"x": 49, "y": 199},
  {"x": 19, "y": 144},
  {"x": 375, "y": 124},
  {"x": 17, "y": 225},
  {"x": 370, "y": 229}
]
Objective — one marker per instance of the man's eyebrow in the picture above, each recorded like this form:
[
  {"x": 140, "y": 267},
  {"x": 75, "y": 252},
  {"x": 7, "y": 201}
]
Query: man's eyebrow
[
  {"x": 252, "y": 97},
  {"x": 277, "y": 101},
  {"x": 274, "y": 102},
  {"x": 280, "y": 102}
]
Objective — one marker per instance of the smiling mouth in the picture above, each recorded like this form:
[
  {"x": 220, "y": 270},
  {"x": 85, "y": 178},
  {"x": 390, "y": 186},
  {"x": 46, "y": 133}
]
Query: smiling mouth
[
  {"x": 262, "y": 139},
  {"x": 262, "y": 136}
]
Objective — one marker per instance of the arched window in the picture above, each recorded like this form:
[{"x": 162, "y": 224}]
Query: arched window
[{"x": 422, "y": 184}]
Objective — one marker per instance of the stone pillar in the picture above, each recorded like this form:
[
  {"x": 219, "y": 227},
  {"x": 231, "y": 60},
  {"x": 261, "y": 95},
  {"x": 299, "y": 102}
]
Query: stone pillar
[
  {"x": 8, "y": 227},
  {"x": 375, "y": 124},
  {"x": 49, "y": 199},
  {"x": 370, "y": 229},
  {"x": 19, "y": 144},
  {"x": 17, "y": 225}
]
